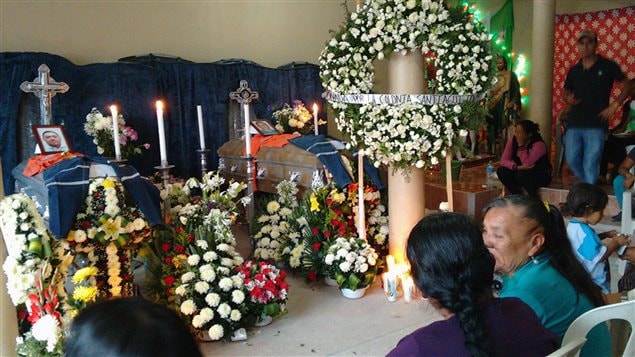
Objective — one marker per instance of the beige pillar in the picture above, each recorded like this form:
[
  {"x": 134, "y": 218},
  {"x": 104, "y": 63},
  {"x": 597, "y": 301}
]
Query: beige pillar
[
  {"x": 541, "y": 66},
  {"x": 8, "y": 316},
  {"x": 406, "y": 202}
]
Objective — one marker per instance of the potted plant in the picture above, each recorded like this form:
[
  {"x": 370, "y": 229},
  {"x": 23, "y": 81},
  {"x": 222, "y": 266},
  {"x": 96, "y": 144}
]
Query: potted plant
[{"x": 353, "y": 263}]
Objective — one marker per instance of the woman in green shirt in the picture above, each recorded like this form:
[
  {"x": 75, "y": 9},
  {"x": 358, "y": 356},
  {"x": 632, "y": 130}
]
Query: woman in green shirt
[{"x": 533, "y": 255}]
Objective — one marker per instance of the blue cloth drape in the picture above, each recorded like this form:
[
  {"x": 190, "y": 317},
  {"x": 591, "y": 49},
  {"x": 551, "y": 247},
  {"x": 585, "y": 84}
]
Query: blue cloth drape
[{"x": 135, "y": 87}]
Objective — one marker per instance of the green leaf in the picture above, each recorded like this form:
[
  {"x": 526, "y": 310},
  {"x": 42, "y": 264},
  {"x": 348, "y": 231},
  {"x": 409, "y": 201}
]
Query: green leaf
[{"x": 353, "y": 282}]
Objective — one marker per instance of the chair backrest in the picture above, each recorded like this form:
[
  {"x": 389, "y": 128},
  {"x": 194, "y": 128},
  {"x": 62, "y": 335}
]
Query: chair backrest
[
  {"x": 585, "y": 322},
  {"x": 571, "y": 349}
]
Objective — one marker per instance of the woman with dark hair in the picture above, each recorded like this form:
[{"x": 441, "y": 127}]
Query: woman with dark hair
[
  {"x": 129, "y": 327},
  {"x": 524, "y": 164},
  {"x": 533, "y": 255},
  {"x": 454, "y": 271}
]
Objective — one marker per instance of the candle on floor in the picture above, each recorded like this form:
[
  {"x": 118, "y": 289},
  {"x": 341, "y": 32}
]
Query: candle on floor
[
  {"x": 392, "y": 287},
  {"x": 315, "y": 118},
  {"x": 201, "y": 133},
  {"x": 162, "y": 147},
  {"x": 407, "y": 284},
  {"x": 115, "y": 131}
]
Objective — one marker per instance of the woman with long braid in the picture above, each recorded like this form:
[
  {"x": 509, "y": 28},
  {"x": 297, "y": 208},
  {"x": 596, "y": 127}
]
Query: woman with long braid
[{"x": 454, "y": 271}]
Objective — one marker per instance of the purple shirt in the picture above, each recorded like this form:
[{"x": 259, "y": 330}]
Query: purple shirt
[
  {"x": 538, "y": 150},
  {"x": 512, "y": 327}
]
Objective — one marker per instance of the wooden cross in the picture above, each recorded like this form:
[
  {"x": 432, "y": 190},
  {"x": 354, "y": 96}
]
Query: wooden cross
[
  {"x": 45, "y": 88},
  {"x": 244, "y": 94}
]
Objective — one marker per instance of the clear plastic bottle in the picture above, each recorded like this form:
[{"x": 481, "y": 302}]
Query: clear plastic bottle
[{"x": 490, "y": 173}]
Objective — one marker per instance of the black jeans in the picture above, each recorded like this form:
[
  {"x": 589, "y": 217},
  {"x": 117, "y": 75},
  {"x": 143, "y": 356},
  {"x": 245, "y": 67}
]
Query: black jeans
[{"x": 517, "y": 182}]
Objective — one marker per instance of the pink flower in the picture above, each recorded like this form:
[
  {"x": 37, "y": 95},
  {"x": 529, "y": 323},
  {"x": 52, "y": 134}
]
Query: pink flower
[{"x": 147, "y": 146}]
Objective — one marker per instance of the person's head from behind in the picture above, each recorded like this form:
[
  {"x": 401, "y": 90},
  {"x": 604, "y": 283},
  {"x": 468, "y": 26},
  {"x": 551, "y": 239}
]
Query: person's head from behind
[
  {"x": 52, "y": 138},
  {"x": 518, "y": 228},
  {"x": 451, "y": 266},
  {"x": 586, "y": 201},
  {"x": 525, "y": 131},
  {"x": 129, "y": 327}
]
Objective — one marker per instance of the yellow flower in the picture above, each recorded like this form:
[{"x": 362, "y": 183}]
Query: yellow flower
[
  {"x": 179, "y": 260},
  {"x": 84, "y": 273},
  {"x": 337, "y": 197},
  {"x": 112, "y": 228},
  {"x": 108, "y": 183},
  {"x": 85, "y": 293},
  {"x": 315, "y": 205}
]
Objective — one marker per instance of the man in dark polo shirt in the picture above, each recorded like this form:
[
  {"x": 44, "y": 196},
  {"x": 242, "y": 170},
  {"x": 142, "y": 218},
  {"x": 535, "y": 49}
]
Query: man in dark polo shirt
[{"x": 587, "y": 91}]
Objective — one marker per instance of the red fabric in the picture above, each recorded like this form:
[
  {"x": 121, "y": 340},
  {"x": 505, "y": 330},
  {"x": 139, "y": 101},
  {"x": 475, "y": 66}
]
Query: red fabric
[
  {"x": 271, "y": 141},
  {"x": 39, "y": 163},
  {"x": 616, "y": 41}
]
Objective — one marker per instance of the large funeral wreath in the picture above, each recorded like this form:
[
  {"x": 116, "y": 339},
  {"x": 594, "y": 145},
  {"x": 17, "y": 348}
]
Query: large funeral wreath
[{"x": 413, "y": 131}]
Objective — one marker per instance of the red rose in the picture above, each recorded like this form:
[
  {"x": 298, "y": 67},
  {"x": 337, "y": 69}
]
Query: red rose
[
  {"x": 190, "y": 238},
  {"x": 342, "y": 230},
  {"x": 316, "y": 246},
  {"x": 329, "y": 201},
  {"x": 169, "y": 280},
  {"x": 85, "y": 224},
  {"x": 179, "y": 249},
  {"x": 167, "y": 260},
  {"x": 283, "y": 274},
  {"x": 337, "y": 212},
  {"x": 327, "y": 234},
  {"x": 179, "y": 230},
  {"x": 165, "y": 247},
  {"x": 315, "y": 231},
  {"x": 335, "y": 222},
  {"x": 168, "y": 292},
  {"x": 312, "y": 275},
  {"x": 283, "y": 286}
]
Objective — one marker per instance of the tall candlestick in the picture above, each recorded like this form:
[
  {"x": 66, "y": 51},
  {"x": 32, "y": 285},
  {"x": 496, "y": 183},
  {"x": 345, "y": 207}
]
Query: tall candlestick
[
  {"x": 247, "y": 130},
  {"x": 360, "y": 193},
  {"x": 201, "y": 134},
  {"x": 315, "y": 118},
  {"x": 115, "y": 131},
  {"x": 162, "y": 148}
]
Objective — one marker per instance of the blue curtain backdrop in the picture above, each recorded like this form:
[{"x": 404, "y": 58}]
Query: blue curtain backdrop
[{"x": 134, "y": 85}]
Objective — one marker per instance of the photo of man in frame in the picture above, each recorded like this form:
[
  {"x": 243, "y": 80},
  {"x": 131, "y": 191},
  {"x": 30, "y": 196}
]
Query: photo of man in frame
[{"x": 51, "y": 138}]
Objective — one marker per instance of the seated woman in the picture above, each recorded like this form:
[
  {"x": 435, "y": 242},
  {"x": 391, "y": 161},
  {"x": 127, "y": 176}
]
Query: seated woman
[
  {"x": 533, "y": 255},
  {"x": 524, "y": 164},
  {"x": 454, "y": 271},
  {"x": 129, "y": 327}
]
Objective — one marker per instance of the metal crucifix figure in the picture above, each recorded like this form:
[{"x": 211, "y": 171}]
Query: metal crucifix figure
[
  {"x": 45, "y": 88},
  {"x": 244, "y": 95}
]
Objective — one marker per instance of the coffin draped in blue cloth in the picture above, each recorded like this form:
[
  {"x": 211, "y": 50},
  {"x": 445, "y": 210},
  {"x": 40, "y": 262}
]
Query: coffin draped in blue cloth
[{"x": 134, "y": 87}]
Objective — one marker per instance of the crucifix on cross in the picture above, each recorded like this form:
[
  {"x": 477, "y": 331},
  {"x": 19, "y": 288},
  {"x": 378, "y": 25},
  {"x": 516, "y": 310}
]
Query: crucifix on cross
[{"x": 45, "y": 88}]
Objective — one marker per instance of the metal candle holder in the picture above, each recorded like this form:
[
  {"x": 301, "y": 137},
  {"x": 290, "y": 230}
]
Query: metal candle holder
[
  {"x": 250, "y": 189},
  {"x": 203, "y": 153},
  {"x": 117, "y": 161},
  {"x": 164, "y": 169}
]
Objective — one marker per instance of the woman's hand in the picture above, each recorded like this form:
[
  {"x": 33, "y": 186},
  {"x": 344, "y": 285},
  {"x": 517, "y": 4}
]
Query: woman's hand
[
  {"x": 525, "y": 167},
  {"x": 621, "y": 239}
]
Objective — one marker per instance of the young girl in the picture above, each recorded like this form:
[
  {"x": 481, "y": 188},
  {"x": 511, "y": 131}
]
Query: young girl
[{"x": 586, "y": 203}]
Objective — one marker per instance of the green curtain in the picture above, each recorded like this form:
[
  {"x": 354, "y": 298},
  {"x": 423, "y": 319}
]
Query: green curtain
[{"x": 502, "y": 27}]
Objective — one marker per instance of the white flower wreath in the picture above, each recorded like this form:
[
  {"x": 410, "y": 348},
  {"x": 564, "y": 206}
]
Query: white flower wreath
[{"x": 409, "y": 132}]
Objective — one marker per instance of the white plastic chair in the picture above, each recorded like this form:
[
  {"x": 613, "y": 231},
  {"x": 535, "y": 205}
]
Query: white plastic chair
[
  {"x": 585, "y": 322},
  {"x": 571, "y": 349}
]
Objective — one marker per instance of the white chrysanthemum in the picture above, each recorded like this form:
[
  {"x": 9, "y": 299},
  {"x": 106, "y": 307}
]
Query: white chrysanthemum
[
  {"x": 237, "y": 280},
  {"x": 238, "y": 296},
  {"x": 273, "y": 207},
  {"x": 207, "y": 314},
  {"x": 201, "y": 244},
  {"x": 201, "y": 287},
  {"x": 223, "y": 247},
  {"x": 235, "y": 315},
  {"x": 223, "y": 310},
  {"x": 193, "y": 260},
  {"x": 212, "y": 299},
  {"x": 210, "y": 256},
  {"x": 188, "y": 276},
  {"x": 216, "y": 332},
  {"x": 198, "y": 321},
  {"x": 188, "y": 307},
  {"x": 47, "y": 328},
  {"x": 181, "y": 290},
  {"x": 225, "y": 284},
  {"x": 208, "y": 275}
]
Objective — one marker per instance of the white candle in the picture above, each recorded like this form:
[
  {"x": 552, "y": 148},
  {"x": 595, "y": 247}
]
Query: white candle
[
  {"x": 115, "y": 131},
  {"x": 360, "y": 193},
  {"x": 392, "y": 286},
  {"x": 247, "y": 130},
  {"x": 390, "y": 263},
  {"x": 201, "y": 134},
  {"x": 407, "y": 284},
  {"x": 315, "y": 118},
  {"x": 162, "y": 148},
  {"x": 384, "y": 281}
]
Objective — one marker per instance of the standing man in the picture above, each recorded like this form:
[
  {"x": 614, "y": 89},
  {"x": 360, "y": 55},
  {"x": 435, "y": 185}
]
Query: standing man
[{"x": 587, "y": 91}]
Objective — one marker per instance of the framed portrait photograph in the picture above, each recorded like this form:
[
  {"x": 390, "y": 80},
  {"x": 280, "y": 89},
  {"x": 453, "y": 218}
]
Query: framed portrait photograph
[
  {"x": 264, "y": 127},
  {"x": 51, "y": 138}
]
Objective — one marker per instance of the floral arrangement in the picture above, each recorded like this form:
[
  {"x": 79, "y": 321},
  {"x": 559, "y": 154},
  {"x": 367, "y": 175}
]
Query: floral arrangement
[
  {"x": 293, "y": 119},
  {"x": 352, "y": 262},
  {"x": 208, "y": 292},
  {"x": 410, "y": 133},
  {"x": 99, "y": 127},
  {"x": 275, "y": 226},
  {"x": 266, "y": 288},
  {"x": 105, "y": 234}
]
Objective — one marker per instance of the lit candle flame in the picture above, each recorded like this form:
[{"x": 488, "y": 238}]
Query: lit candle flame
[{"x": 159, "y": 105}]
